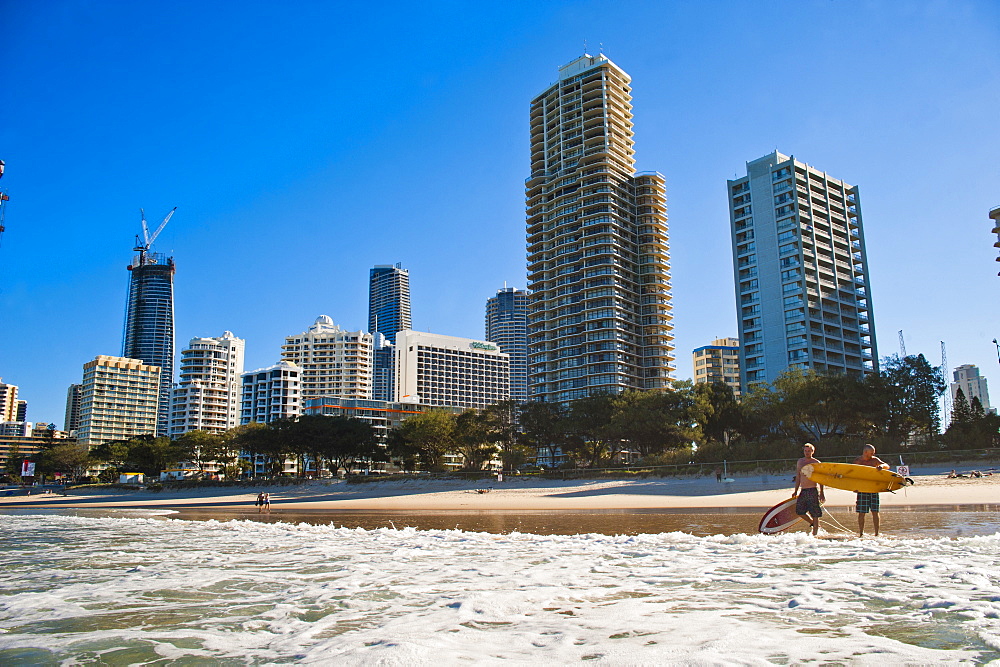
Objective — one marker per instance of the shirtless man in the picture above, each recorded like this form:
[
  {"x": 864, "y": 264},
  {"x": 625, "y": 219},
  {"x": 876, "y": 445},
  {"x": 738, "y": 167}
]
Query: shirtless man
[
  {"x": 868, "y": 502},
  {"x": 809, "y": 503}
]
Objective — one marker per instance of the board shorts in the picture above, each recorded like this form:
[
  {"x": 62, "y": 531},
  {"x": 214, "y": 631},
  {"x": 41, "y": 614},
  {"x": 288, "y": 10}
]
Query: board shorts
[
  {"x": 808, "y": 503},
  {"x": 867, "y": 502}
]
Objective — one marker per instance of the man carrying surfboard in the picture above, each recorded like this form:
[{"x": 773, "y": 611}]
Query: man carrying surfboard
[
  {"x": 809, "y": 504},
  {"x": 868, "y": 502}
]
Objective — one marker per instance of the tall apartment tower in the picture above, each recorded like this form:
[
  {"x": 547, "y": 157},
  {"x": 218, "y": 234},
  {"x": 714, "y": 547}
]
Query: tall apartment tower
[
  {"x": 21, "y": 412},
  {"x": 332, "y": 362},
  {"x": 149, "y": 322},
  {"x": 507, "y": 326},
  {"x": 967, "y": 378},
  {"x": 718, "y": 362},
  {"x": 209, "y": 392},
  {"x": 8, "y": 402},
  {"x": 119, "y": 399},
  {"x": 388, "y": 300},
  {"x": 801, "y": 269},
  {"x": 73, "y": 397},
  {"x": 598, "y": 258},
  {"x": 388, "y": 314}
]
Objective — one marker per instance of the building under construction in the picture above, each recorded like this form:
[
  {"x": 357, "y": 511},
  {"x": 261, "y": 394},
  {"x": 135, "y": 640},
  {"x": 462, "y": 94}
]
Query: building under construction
[{"x": 149, "y": 317}]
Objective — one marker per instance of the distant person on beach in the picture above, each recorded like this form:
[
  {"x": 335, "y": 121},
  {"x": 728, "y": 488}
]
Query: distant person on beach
[
  {"x": 267, "y": 503},
  {"x": 809, "y": 505},
  {"x": 260, "y": 502},
  {"x": 718, "y": 475},
  {"x": 868, "y": 502}
]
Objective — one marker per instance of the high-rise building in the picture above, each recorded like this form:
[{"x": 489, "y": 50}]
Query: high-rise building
[
  {"x": 149, "y": 322},
  {"x": 119, "y": 399},
  {"x": 388, "y": 314},
  {"x": 208, "y": 396},
  {"x": 333, "y": 362},
  {"x": 272, "y": 393},
  {"x": 73, "y": 396},
  {"x": 801, "y": 270},
  {"x": 995, "y": 217},
  {"x": 435, "y": 370},
  {"x": 388, "y": 300},
  {"x": 966, "y": 377},
  {"x": 598, "y": 260},
  {"x": 507, "y": 326},
  {"x": 718, "y": 362},
  {"x": 21, "y": 412},
  {"x": 8, "y": 402}
]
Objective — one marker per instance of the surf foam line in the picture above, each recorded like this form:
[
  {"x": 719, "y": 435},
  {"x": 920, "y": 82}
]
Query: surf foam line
[{"x": 143, "y": 589}]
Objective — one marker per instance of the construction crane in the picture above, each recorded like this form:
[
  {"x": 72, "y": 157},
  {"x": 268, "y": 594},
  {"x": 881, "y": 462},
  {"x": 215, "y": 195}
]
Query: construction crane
[
  {"x": 143, "y": 248},
  {"x": 902, "y": 345},
  {"x": 3, "y": 198}
]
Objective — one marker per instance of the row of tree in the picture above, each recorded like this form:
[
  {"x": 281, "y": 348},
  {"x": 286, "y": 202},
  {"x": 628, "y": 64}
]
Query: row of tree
[{"x": 897, "y": 407}]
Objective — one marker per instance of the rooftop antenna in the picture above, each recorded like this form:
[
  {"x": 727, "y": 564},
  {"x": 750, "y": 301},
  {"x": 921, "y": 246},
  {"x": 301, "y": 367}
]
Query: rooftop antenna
[
  {"x": 585, "y": 46},
  {"x": 600, "y": 46}
]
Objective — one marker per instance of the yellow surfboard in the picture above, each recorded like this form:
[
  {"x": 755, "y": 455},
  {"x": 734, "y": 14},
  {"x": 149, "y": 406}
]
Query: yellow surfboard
[{"x": 851, "y": 477}]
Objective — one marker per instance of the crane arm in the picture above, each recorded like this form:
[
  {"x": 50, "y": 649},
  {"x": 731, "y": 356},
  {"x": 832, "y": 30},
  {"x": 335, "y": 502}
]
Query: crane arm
[{"x": 150, "y": 239}]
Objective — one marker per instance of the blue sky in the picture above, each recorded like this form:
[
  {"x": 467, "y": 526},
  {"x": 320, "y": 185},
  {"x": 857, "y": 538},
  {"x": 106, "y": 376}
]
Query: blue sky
[{"x": 303, "y": 145}]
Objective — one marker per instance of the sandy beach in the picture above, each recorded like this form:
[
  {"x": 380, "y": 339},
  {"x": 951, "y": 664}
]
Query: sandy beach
[{"x": 513, "y": 494}]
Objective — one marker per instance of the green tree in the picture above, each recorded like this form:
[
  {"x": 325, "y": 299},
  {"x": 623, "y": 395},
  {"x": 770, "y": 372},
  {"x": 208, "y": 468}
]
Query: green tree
[
  {"x": 961, "y": 412},
  {"x": 424, "y": 437},
  {"x": 204, "y": 447},
  {"x": 595, "y": 437},
  {"x": 477, "y": 435},
  {"x": 344, "y": 441},
  {"x": 912, "y": 388},
  {"x": 67, "y": 457},
  {"x": 543, "y": 427},
  {"x": 653, "y": 422}
]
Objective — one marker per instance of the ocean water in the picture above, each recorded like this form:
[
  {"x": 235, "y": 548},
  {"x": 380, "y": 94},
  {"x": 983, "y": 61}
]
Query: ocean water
[{"x": 144, "y": 589}]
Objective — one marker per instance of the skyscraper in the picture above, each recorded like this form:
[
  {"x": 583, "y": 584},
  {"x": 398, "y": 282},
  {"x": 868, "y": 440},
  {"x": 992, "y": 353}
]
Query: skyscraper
[
  {"x": 388, "y": 300},
  {"x": 73, "y": 397},
  {"x": 8, "y": 402},
  {"x": 598, "y": 262},
  {"x": 209, "y": 394},
  {"x": 507, "y": 326},
  {"x": 149, "y": 321},
  {"x": 801, "y": 271},
  {"x": 388, "y": 314}
]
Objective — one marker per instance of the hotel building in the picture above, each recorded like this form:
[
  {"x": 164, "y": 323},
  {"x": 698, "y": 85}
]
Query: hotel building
[
  {"x": 332, "y": 362},
  {"x": 718, "y": 362},
  {"x": 209, "y": 392},
  {"x": 507, "y": 326},
  {"x": 434, "y": 370},
  {"x": 802, "y": 285},
  {"x": 272, "y": 393},
  {"x": 118, "y": 400},
  {"x": 598, "y": 262}
]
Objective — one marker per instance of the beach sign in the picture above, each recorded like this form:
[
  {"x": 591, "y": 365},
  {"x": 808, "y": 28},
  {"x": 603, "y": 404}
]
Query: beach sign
[{"x": 903, "y": 471}]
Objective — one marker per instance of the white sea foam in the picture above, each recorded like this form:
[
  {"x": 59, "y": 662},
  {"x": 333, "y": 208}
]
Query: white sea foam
[{"x": 128, "y": 590}]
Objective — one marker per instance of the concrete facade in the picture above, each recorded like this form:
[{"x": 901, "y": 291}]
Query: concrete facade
[
  {"x": 718, "y": 362},
  {"x": 8, "y": 402},
  {"x": 507, "y": 326},
  {"x": 272, "y": 393},
  {"x": 333, "y": 362},
  {"x": 119, "y": 400},
  {"x": 208, "y": 395},
  {"x": 967, "y": 378},
  {"x": 445, "y": 371},
  {"x": 597, "y": 245},
  {"x": 73, "y": 397},
  {"x": 801, "y": 272}
]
